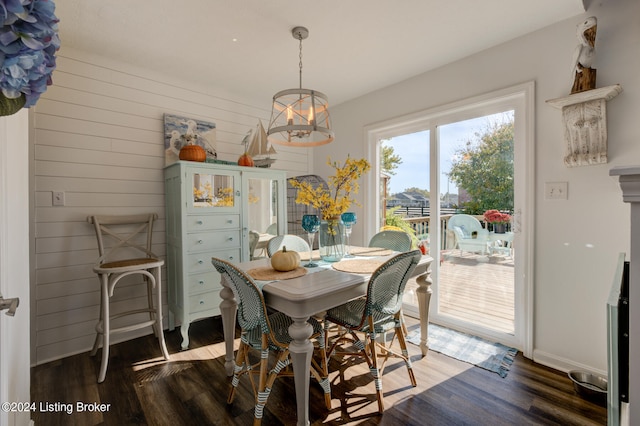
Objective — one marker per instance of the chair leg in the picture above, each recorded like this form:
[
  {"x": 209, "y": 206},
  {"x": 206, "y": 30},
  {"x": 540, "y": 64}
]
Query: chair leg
[
  {"x": 241, "y": 364},
  {"x": 158, "y": 313},
  {"x": 375, "y": 371},
  {"x": 263, "y": 389},
  {"x": 106, "y": 327},
  {"x": 323, "y": 380},
  {"x": 403, "y": 346}
]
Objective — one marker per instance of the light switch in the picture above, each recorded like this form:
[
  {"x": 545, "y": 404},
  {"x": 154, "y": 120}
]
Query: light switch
[
  {"x": 555, "y": 190},
  {"x": 58, "y": 198}
]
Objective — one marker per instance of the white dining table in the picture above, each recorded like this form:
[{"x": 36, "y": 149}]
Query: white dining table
[{"x": 320, "y": 289}]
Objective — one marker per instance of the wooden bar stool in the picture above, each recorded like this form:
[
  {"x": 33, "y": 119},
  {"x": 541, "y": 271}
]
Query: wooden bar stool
[{"x": 127, "y": 253}]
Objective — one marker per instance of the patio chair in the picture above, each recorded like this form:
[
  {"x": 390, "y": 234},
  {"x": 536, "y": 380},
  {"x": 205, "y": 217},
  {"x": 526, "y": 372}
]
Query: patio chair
[
  {"x": 266, "y": 333},
  {"x": 375, "y": 315},
  {"x": 469, "y": 233},
  {"x": 292, "y": 242},
  {"x": 393, "y": 240},
  {"x": 124, "y": 247}
]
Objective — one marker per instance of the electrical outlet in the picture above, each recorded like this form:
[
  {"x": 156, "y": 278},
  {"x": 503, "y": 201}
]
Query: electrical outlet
[
  {"x": 58, "y": 198},
  {"x": 555, "y": 190}
]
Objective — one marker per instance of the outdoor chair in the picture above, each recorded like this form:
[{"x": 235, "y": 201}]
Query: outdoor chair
[
  {"x": 469, "y": 234},
  {"x": 266, "y": 333},
  {"x": 375, "y": 315},
  {"x": 124, "y": 247},
  {"x": 292, "y": 242},
  {"x": 272, "y": 229},
  {"x": 393, "y": 240}
]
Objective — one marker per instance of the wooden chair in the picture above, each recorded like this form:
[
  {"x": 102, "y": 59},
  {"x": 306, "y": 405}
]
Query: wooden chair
[
  {"x": 375, "y": 315},
  {"x": 292, "y": 242},
  {"x": 124, "y": 247},
  {"x": 393, "y": 240},
  {"x": 267, "y": 333}
]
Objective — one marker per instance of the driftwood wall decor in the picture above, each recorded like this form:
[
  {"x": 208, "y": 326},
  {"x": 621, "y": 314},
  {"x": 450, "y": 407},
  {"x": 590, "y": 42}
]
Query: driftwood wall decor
[
  {"x": 585, "y": 119},
  {"x": 584, "y": 77}
]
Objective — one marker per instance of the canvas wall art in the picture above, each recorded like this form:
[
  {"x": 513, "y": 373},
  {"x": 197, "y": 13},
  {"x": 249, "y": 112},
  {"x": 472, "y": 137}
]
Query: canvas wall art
[{"x": 181, "y": 131}]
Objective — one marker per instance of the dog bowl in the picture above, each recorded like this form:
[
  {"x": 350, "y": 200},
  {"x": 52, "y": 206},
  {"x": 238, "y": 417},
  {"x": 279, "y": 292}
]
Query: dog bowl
[{"x": 590, "y": 386}]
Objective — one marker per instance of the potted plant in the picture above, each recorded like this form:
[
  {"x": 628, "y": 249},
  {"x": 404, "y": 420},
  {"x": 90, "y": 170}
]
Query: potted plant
[
  {"x": 498, "y": 220},
  {"x": 332, "y": 202}
]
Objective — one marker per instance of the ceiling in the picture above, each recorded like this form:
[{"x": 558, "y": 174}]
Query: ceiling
[{"x": 246, "y": 48}]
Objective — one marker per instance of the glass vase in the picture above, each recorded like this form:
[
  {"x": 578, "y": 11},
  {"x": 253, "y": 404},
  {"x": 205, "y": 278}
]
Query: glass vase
[{"x": 330, "y": 239}]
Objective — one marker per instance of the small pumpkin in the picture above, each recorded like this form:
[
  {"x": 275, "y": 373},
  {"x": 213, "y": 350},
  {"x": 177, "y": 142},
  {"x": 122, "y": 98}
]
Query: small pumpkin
[
  {"x": 193, "y": 153},
  {"x": 285, "y": 260},
  {"x": 245, "y": 160}
]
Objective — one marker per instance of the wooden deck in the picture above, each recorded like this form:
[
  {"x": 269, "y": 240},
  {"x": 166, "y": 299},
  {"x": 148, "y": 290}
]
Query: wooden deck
[{"x": 474, "y": 288}]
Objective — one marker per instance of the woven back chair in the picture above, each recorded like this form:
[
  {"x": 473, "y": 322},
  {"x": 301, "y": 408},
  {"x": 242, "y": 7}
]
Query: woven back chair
[
  {"x": 393, "y": 240},
  {"x": 380, "y": 312},
  {"x": 267, "y": 334},
  {"x": 124, "y": 247},
  {"x": 292, "y": 242}
]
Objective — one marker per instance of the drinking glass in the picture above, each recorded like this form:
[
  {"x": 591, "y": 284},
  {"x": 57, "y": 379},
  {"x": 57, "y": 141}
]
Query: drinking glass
[
  {"x": 349, "y": 219},
  {"x": 311, "y": 224}
]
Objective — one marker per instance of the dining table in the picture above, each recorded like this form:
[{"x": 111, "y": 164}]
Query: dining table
[{"x": 319, "y": 288}]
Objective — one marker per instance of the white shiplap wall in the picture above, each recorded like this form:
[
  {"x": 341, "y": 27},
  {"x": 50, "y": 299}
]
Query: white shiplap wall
[{"x": 97, "y": 135}]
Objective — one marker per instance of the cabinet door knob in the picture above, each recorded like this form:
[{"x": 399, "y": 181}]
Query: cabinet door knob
[
  {"x": 237, "y": 193},
  {"x": 230, "y": 239},
  {"x": 200, "y": 241},
  {"x": 200, "y": 261},
  {"x": 230, "y": 257},
  {"x": 201, "y": 282},
  {"x": 229, "y": 220},
  {"x": 202, "y": 302},
  {"x": 199, "y": 222}
]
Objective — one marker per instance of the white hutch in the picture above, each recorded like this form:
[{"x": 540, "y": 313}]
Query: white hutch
[{"x": 210, "y": 210}]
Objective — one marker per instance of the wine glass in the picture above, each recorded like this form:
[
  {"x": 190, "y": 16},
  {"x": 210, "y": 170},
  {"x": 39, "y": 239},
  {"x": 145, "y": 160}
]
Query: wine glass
[
  {"x": 349, "y": 219},
  {"x": 311, "y": 224}
]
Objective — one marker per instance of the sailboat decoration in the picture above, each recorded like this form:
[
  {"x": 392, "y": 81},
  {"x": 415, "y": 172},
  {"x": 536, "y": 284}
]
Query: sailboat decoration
[{"x": 259, "y": 148}]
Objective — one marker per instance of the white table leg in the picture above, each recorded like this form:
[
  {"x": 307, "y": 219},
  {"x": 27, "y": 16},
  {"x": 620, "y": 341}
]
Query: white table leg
[
  {"x": 228, "y": 310},
  {"x": 301, "y": 351},
  {"x": 423, "y": 294}
]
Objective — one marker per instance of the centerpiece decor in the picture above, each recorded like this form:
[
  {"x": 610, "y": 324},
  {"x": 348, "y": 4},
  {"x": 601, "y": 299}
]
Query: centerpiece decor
[
  {"x": 28, "y": 43},
  {"x": 332, "y": 202},
  {"x": 498, "y": 220}
]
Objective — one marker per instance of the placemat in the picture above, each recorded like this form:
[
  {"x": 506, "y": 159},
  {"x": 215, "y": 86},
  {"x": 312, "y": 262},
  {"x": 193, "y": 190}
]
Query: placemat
[
  {"x": 357, "y": 266},
  {"x": 267, "y": 273},
  {"x": 304, "y": 255},
  {"x": 370, "y": 251}
]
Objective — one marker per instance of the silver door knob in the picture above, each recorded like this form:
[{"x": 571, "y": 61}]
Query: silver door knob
[{"x": 10, "y": 304}]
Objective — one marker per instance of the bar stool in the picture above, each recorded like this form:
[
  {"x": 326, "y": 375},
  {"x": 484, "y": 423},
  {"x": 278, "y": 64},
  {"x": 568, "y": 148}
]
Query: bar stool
[{"x": 128, "y": 253}]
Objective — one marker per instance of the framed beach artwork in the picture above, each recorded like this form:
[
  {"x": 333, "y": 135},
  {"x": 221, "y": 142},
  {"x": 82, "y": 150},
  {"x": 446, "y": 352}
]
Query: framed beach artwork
[{"x": 181, "y": 131}]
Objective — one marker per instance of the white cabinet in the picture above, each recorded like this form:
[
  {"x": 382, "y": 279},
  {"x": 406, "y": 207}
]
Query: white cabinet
[{"x": 210, "y": 210}]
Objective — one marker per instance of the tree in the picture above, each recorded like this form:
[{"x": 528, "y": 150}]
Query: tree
[
  {"x": 484, "y": 169},
  {"x": 389, "y": 160}
]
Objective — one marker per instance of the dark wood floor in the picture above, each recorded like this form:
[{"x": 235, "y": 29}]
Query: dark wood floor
[{"x": 191, "y": 389}]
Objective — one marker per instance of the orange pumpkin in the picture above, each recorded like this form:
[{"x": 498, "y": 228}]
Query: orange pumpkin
[
  {"x": 245, "y": 160},
  {"x": 192, "y": 153}
]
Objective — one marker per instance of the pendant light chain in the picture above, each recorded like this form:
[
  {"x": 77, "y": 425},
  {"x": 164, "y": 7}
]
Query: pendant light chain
[{"x": 300, "y": 56}]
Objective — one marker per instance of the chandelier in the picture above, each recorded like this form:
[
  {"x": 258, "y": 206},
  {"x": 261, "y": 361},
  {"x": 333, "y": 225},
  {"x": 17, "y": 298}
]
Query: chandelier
[{"x": 300, "y": 117}]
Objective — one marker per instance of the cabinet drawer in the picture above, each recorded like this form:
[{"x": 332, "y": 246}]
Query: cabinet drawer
[
  {"x": 218, "y": 221},
  {"x": 207, "y": 241},
  {"x": 201, "y": 262},
  {"x": 200, "y": 283},
  {"x": 204, "y": 301}
]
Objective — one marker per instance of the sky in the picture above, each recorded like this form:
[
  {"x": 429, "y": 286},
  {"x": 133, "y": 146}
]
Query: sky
[{"x": 414, "y": 150}]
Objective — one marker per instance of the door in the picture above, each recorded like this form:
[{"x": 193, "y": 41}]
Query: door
[
  {"x": 425, "y": 134},
  {"x": 14, "y": 269}
]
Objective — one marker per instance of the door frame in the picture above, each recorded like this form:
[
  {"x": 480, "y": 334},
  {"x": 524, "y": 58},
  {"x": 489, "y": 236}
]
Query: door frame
[
  {"x": 15, "y": 337},
  {"x": 521, "y": 99}
]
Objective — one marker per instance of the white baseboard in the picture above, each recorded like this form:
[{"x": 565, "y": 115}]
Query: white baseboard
[{"x": 563, "y": 364}]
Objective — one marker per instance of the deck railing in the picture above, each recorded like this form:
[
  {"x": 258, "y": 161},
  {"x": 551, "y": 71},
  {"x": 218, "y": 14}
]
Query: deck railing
[{"x": 421, "y": 226}]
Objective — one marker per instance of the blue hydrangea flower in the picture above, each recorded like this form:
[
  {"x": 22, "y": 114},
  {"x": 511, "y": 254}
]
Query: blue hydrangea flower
[{"x": 28, "y": 44}]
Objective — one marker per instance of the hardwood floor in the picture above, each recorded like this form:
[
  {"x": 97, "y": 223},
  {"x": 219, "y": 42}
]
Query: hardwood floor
[{"x": 191, "y": 389}]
